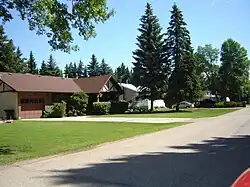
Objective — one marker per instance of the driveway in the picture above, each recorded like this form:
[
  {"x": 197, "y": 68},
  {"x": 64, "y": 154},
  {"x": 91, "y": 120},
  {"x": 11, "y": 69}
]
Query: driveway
[
  {"x": 115, "y": 119},
  {"x": 210, "y": 153}
]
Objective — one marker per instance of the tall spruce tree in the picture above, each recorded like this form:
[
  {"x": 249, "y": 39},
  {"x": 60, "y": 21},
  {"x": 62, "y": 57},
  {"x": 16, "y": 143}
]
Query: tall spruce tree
[
  {"x": 66, "y": 71},
  {"x": 80, "y": 69},
  {"x": 105, "y": 69},
  {"x": 234, "y": 70},
  {"x": 150, "y": 63},
  {"x": 44, "y": 69},
  {"x": 183, "y": 83},
  {"x": 71, "y": 70},
  {"x": 85, "y": 71},
  {"x": 52, "y": 68},
  {"x": 21, "y": 62},
  {"x": 122, "y": 74},
  {"x": 93, "y": 67},
  {"x": 75, "y": 75},
  {"x": 32, "y": 67}
]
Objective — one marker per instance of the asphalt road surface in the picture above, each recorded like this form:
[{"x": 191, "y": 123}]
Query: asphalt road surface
[{"x": 210, "y": 152}]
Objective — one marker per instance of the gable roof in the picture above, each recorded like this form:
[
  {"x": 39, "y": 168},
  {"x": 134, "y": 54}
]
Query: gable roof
[
  {"x": 129, "y": 86},
  {"x": 92, "y": 84},
  {"x": 38, "y": 83}
]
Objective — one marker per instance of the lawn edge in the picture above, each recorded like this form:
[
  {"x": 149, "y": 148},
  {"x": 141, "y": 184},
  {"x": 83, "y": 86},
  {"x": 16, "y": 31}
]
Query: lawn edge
[{"x": 44, "y": 158}]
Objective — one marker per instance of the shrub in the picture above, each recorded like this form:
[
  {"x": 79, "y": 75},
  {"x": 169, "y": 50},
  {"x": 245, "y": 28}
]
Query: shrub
[
  {"x": 78, "y": 104},
  {"x": 58, "y": 111},
  {"x": 227, "y": 104},
  {"x": 101, "y": 108},
  {"x": 119, "y": 107}
]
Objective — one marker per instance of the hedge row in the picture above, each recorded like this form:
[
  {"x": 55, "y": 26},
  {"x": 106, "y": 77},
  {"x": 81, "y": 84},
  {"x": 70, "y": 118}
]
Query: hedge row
[
  {"x": 102, "y": 108},
  {"x": 230, "y": 104}
]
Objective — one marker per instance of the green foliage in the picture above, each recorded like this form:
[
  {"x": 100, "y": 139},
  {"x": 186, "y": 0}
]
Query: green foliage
[
  {"x": 58, "y": 111},
  {"x": 105, "y": 69},
  {"x": 119, "y": 107},
  {"x": 230, "y": 104},
  {"x": 184, "y": 84},
  {"x": 57, "y": 19},
  {"x": 43, "y": 69},
  {"x": 101, "y": 108},
  {"x": 78, "y": 103},
  {"x": 234, "y": 70},
  {"x": 206, "y": 58},
  {"x": 93, "y": 67},
  {"x": 11, "y": 59},
  {"x": 122, "y": 74},
  {"x": 82, "y": 70},
  {"x": 32, "y": 67},
  {"x": 50, "y": 68},
  {"x": 151, "y": 69}
]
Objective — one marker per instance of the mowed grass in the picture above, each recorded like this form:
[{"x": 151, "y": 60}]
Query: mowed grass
[
  {"x": 31, "y": 139},
  {"x": 187, "y": 113}
]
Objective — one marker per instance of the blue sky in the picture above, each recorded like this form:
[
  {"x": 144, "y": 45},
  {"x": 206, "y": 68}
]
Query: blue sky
[{"x": 209, "y": 22}]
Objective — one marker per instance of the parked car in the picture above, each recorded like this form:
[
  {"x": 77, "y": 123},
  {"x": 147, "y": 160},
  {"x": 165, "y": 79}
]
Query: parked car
[{"x": 186, "y": 104}]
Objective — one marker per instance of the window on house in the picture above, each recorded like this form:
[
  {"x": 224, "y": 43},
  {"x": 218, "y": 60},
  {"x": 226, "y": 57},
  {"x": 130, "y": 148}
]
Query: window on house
[{"x": 26, "y": 101}]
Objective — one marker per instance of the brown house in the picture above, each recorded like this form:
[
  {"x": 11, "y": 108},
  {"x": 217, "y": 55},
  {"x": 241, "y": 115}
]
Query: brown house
[{"x": 29, "y": 95}]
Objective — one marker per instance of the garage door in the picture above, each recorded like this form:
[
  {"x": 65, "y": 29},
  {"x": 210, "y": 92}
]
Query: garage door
[{"x": 31, "y": 108}]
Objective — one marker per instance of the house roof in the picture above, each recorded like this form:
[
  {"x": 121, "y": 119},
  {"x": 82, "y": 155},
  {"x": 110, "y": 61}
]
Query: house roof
[
  {"x": 92, "y": 84},
  {"x": 129, "y": 86},
  {"x": 37, "y": 83}
]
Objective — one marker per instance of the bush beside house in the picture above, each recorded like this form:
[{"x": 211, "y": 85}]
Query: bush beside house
[
  {"x": 119, "y": 107},
  {"x": 57, "y": 111},
  {"x": 101, "y": 108},
  {"x": 77, "y": 105}
]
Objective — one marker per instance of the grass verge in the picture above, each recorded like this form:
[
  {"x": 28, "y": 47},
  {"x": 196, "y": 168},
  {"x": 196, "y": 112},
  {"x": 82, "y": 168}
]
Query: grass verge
[
  {"x": 32, "y": 139},
  {"x": 188, "y": 113}
]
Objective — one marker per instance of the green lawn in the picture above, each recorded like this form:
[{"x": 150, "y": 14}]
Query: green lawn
[
  {"x": 28, "y": 139},
  {"x": 189, "y": 113}
]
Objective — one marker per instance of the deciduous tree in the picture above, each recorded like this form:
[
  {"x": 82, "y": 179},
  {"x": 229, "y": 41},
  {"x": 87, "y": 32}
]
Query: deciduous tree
[
  {"x": 57, "y": 18},
  {"x": 234, "y": 70}
]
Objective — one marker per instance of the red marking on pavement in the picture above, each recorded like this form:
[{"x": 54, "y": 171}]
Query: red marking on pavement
[{"x": 243, "y": 180}]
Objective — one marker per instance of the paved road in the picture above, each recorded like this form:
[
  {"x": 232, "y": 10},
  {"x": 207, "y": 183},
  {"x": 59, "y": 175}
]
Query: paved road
[{"x": 209, "y": 153}]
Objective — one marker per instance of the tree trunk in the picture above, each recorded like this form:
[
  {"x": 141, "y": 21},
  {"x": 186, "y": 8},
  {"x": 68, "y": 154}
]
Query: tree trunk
[
  {"x": 151, "y": 104},
  {"x": 177, "y": 107}
]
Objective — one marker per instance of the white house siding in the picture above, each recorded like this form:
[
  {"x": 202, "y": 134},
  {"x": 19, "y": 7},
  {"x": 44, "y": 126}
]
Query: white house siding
[{"x": 8, "y": 100}]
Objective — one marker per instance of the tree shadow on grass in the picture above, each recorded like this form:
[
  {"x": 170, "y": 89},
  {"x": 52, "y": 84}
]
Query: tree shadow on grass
[
  {"x": 212, "y": 163},
  {"x": 6, "y": 150}
]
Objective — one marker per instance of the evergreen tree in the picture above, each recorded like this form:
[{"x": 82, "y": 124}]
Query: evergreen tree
[
  {"x": 11, "y": 59},
  {"x": 71, "y": 70},
  {"x": 150, "y": 65},
  {"x": 93, "y": 67},
  {"x": 75, "y": 69},
  {"x": 234, "y": 70},
  {"x": 183, "y": 83},
  {"x": 85, "y": 71},
  {"x": 66, "y": 71},
  {"x": 21, "y": 64},
  {"x": 52, "y": 68},
  {"x": 105, "y": 69},
  {"x": 122, "y": 74},
  {"x": 80, "y": 69},
  {"x": 32, "y": 67},
  {"x": 44, "y": 69}
]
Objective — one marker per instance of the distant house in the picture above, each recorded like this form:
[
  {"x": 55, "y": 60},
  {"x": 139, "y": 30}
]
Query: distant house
[
  {"x": 130, "y": 92},
  {"x": 29, "y": 95}
]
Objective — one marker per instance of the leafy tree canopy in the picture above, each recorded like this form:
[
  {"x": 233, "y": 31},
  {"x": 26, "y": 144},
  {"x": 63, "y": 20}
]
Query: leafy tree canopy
[{"x": 57, "y": 18}]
